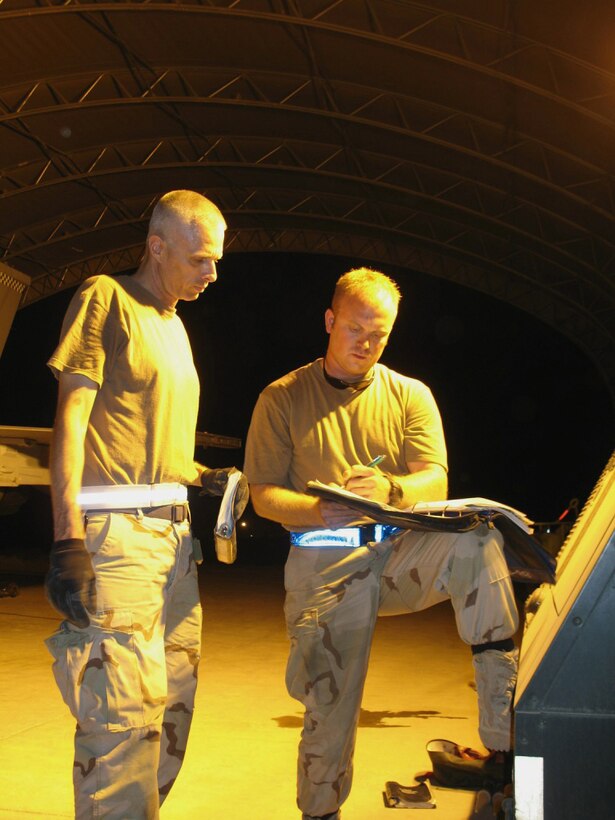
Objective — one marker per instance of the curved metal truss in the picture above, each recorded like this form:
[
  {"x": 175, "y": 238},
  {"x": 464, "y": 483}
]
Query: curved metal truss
[{"x": 476, "y": 147}]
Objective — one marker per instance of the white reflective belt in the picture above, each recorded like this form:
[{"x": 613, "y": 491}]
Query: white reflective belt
[
  {"x": 342, "y": 538},
  {"x": 131, "y": 496}
]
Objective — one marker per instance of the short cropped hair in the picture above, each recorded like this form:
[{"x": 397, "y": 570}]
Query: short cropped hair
[
  {"x": 366, "y": 284},
  {"x": 187, "y": 207}
]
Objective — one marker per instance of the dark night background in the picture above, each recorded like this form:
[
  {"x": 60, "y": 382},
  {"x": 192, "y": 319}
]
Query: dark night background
[{"x": 528, "y": 419}]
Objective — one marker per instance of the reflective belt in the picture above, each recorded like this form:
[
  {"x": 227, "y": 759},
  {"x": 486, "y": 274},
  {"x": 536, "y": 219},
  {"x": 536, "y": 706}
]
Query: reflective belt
[
  {"x": 131, "y": 496},
  {"x": 344, "y": 538}
]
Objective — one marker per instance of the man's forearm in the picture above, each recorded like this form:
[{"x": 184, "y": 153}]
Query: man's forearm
[
  {"x": 66, "y": 470},
  {"x": 301, "y": 510},
  {"x": 286, "y": 506},
  {"x": 75, "y": 399},
  {"x": 423, "y": 485}
]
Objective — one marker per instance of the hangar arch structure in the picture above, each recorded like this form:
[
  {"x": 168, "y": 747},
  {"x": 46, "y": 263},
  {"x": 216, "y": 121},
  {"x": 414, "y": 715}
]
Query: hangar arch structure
[{"x": 471, "y": 140}]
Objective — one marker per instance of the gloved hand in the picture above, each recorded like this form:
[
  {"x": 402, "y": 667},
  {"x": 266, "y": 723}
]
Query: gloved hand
[
  {"x": 214, "y": 482},
  {"x": 70, "y": 584}
]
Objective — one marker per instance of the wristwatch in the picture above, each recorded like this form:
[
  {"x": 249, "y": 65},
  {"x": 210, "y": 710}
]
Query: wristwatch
[{"x": 395, "y": 491}]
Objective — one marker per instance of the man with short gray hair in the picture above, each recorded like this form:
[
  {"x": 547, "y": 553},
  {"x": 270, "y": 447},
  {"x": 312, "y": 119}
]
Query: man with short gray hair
[{"x": 123, "y": 563}]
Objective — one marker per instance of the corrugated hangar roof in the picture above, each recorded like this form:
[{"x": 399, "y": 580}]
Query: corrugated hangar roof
[{"x": 469, "y": 139}]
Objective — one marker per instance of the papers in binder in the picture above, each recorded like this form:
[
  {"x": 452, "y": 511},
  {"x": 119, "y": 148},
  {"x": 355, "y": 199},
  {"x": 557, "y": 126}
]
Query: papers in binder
[
  {"x": 453, "y": 508},
  {"x": 466, "y": 504},
  {"x": 336, "y": 493},
  {"x": 385, "y": 514},
  {"x": 225, "y": 535},
  {"x": 527, "y": 560}
]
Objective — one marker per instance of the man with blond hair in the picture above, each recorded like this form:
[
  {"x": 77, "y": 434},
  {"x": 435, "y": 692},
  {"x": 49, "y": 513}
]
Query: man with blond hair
[
  {"x": 326, "y": 421},
  {"x": 123, "y": 563}
]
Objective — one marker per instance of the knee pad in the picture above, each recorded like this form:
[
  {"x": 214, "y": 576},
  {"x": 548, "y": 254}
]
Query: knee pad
[{"x": 507, "y": 645}]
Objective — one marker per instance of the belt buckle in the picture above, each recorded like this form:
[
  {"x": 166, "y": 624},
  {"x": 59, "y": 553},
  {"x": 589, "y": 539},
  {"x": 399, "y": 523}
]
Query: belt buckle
[
  {"x": 366, "y": 534},
  {"x": 375, "y": 533}
]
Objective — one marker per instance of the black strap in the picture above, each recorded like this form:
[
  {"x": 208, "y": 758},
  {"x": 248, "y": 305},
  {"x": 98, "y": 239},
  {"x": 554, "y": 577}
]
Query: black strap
[
  {"x": 506, "y": 645},
  {"x": 340, "y": 384},
  {"x": 176, "y": 513}
]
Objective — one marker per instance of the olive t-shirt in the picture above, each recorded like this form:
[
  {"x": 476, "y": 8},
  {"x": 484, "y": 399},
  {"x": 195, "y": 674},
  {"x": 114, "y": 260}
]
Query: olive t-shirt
[
  {"x": 142, "y": 426},
  {"x": 305, "y": 429}
]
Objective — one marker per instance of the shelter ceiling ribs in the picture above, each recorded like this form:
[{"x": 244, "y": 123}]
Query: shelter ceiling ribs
[{"x": 470, "y": 140}]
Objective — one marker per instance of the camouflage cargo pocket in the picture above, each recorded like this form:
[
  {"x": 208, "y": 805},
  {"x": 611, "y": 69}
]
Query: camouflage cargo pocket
[
  {"x": 309, "y": 675},
  {"x": 101, "y": 676}
]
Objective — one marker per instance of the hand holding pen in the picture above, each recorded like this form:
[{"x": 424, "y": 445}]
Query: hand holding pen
[
  {"x": 363, "y": 480},
  {"x": 366, "y": 481}
]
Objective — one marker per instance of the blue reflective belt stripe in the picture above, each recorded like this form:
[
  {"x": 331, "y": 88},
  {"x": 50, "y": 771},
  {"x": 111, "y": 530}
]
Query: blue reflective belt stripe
[{"x": 343, "y": 538}]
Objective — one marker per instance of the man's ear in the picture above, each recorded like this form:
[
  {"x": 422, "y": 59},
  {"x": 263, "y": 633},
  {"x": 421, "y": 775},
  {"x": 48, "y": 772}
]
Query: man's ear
[
  {"x": 329, "y": 319},
  {"x": 155, "y": 244}
]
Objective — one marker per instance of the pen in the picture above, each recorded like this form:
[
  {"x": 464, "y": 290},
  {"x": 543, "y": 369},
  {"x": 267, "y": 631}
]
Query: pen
[{"x": 375, "y": 461}]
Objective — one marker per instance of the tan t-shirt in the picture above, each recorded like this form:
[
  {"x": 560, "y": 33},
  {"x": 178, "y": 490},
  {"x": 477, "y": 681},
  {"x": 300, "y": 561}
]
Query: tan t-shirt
[
  {"x": 143, "y": 422},
  {"x": 302, "y": 428}
]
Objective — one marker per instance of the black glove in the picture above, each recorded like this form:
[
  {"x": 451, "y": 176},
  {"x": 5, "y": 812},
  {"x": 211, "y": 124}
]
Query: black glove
[
  {"x": 214, "y": 482},
  {"x": 70, "y": 584}
]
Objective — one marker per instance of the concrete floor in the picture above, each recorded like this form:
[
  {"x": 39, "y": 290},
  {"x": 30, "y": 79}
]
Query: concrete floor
[{"x": 240, "y": 763}]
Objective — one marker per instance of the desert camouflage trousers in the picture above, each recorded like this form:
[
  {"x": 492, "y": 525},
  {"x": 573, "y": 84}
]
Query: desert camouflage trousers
[
  {"x": 130, "y": 678},
  {"x": 333, "y": 598}
]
